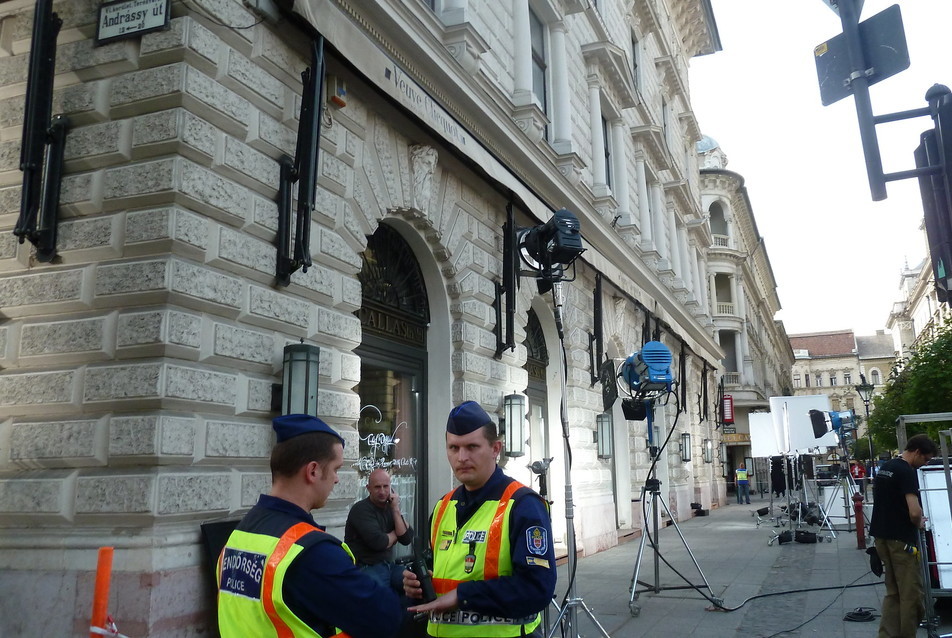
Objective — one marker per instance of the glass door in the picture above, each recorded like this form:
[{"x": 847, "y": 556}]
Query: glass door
[{"x": 391, "y": 434}]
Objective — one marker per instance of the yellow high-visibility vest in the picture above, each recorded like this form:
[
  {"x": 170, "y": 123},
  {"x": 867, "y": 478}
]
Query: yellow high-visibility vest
[
  {"x": 251, "y": 571},
  {"x": 486, "y": 542}
]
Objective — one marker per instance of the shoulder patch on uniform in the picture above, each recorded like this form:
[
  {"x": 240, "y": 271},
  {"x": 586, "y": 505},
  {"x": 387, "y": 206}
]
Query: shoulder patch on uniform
[{"x": 537, "y": 540}]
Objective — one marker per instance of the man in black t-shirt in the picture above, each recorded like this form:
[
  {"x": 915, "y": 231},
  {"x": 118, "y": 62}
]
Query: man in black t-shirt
[{"x": 897, "y": 517}]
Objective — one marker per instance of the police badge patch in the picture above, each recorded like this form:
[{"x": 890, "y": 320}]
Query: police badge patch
[{"x": 537, "y": 540}]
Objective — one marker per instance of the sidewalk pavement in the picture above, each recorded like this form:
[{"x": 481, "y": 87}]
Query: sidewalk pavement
[{"x": 733, "y": 554}]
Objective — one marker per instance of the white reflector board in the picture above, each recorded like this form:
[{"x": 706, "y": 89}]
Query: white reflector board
[
  {"x": 765, "y": 438},
  {"x": 791, "y": 417}
]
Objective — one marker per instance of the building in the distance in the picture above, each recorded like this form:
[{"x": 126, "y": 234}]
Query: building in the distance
[
  {"x": 757, "y": 355},
  {"x": 833, "y": 363}
]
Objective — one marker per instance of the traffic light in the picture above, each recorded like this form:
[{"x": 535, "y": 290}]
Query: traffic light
[{"x": 935, "y": 150}]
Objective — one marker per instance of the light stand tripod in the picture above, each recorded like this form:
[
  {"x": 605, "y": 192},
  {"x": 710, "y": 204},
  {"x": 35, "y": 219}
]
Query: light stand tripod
[
  {"x": 541, "y": 469},
  {"x": 568, "y": 615},
  {"x": 653, "y": 487}
]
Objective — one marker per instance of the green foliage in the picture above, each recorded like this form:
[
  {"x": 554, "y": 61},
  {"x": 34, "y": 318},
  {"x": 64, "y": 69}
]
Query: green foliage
[{"x": 921, "y": 384}]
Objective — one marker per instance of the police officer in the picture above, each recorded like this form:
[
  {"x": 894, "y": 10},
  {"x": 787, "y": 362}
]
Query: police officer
[
  {"x": 493, "y": 562},
  {"x": 280, "y": 573}
]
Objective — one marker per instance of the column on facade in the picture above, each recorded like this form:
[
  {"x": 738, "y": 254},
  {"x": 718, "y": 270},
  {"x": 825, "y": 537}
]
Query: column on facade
[
  {"x": 712, "y": 287},
  {"x": 687, "y": 272},
  {"x": 644, "y": 205},
  {"x": 674, "y": 242},
  {"x": 522, "y": 48},
  {"x": 732, "y": 279},
  {"x": 739, "y": 354},
  {"x": 598, "y": 137},
  {"x": 620, "y": 181},
  {"x": 741, "y": 310},
  {"x": 658, "y": 215},
  {"x": 699, "y": 288},
  {"x": 561, "y": 107}
]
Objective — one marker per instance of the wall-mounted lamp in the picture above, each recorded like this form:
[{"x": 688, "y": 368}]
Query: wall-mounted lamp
[
  {"x": 724, "y": 465},
  {"x": 685, "y": 447},
  {"x": 603, "y": 432},
  {"x": 514, "y": 406},
  {"x": 708, "y": 449},
  {"x": 301, "y": 371}
]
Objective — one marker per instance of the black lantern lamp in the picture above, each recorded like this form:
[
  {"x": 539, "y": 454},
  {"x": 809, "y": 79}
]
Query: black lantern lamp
[
  {"x": 514, "y": 406},
  {"x": 708, "y": 449},
  {"x": 301, "y": 371},
  {"x": 724, "y": 468},
  {"x": 685, "y": 447},
  {"x": 603, "y": 433},
  {"x": 865, "y": 391}
]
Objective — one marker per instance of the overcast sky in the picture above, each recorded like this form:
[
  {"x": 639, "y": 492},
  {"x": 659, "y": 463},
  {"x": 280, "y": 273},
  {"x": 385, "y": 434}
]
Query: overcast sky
[{"x": 835, "y": 253}]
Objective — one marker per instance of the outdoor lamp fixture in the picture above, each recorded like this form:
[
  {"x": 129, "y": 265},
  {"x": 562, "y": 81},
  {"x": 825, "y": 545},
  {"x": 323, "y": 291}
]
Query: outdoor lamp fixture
[
  {"x": 685, "y": 447},
  {"x": 603, "y": 432},
  {"x": 302, "y": 364},
  {"x": 514, "y": 406},
  {"x": 723, "y": 459},
  {"x": 708, "y": 448},
  {"x": 865, "y": 391}
]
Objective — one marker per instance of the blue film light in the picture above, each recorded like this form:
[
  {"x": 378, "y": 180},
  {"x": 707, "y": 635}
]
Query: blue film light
[{"x": 648, "y": 370}]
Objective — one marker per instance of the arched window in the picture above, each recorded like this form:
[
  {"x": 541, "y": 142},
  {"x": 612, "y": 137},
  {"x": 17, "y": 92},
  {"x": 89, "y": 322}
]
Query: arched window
[{"x": 874, "y": 377}]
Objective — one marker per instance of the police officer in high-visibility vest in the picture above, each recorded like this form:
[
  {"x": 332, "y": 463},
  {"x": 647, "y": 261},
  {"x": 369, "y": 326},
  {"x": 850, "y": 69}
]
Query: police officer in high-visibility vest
[
  {"x": 280, "y": 575},
  {"x": 493, "y": 562},
  {"x": 743, "y": 484}
]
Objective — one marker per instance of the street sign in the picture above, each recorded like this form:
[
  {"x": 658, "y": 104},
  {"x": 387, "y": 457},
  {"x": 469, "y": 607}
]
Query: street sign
[{"x": 884, "y": 51}]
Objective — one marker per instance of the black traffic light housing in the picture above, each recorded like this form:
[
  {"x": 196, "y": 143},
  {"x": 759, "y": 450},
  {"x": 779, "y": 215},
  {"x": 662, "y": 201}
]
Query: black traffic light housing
[{"x": 935, "y": 151}]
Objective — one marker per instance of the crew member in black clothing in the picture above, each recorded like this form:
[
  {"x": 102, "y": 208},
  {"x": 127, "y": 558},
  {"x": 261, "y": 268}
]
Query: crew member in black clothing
[
  {"x": 897, "y": 517},
  {"x": 374, "y": 526}
]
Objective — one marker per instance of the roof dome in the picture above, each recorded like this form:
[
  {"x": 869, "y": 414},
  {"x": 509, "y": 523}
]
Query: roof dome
[{"x": 706, "y": 143}]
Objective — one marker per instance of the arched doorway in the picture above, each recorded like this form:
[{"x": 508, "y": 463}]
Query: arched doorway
[
  {"x": 394, "y": 315},
  {"x": 537, "y": 362}
]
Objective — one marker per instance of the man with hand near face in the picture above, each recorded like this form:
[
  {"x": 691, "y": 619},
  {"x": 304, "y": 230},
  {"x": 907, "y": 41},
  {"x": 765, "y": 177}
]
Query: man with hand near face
[
  {"x": 374, "y": 526},
  {"x": 493, "y": 562}
]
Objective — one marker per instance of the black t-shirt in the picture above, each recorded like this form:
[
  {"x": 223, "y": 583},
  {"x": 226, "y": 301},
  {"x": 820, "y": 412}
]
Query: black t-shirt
[{"x": 895, "y": 479}]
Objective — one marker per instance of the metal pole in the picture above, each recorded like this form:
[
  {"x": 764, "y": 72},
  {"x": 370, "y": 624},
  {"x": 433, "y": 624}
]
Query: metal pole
[
  {"x": 859, "y": 84},
  {"x": 869, "y": 435}
]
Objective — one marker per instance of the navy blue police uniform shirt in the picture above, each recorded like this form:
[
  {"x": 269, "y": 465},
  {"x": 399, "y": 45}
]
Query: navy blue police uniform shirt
[
  {"x": 531, "y": 586},
  {"x": 323, "y": 587}
]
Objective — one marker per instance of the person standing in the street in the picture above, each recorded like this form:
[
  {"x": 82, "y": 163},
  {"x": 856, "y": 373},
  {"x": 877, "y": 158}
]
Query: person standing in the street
[
  {"x": 858, "y": 472},
  {"x": 896, "y": 520},
  {"x": 280, "y": 574},
  {"x": 743, "y": 484},
  {"x": 493, "y": 561}
]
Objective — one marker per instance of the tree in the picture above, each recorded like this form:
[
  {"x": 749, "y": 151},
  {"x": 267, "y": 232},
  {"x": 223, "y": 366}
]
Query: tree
[{"x": 921, "y": 384}]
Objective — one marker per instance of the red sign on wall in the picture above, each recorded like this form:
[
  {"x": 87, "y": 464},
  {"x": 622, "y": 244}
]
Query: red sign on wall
[{"x": 727, "y": 409}]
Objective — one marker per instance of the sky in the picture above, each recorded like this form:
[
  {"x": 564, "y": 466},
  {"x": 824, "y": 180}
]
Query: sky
[{"x": 835, "y": 253}]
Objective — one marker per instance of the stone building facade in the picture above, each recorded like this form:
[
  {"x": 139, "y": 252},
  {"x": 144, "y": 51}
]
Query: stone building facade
[
  {"x": 137, "y": 369},
  {"x": 757, "y": 356}
]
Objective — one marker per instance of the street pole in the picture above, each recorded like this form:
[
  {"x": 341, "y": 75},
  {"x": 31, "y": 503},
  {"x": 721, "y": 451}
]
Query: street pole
[{"x": 869, "y": 433}]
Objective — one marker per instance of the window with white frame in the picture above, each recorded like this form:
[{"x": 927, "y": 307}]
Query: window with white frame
[
  {"x": 607, "y": 150},
  {"x": 796, "y": 380},
  {"x": 874, "y": 377},
  {"x": 539, "y": 65},
  {"x": 847, "y": 378},
  {"x": 635, "y": 62},
  {"x": 832, "y": 378}
]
